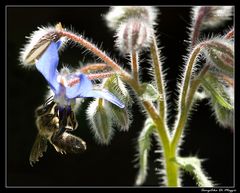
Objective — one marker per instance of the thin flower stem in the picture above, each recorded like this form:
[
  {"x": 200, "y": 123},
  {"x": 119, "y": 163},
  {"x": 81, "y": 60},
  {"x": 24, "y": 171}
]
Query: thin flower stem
[
  {"x": 96, "y": 51},
  {"x": 134, "y": 62},
  {"x": 100, "y": 75},
  {"x": 203, "y": 11},
  {"x": 94, "y": 67},
  {"x": 184, "y": 98},
  {"x": 158, "y": 77},
  {"x": 195, "y": 84},
  {"x": 171, "y": 168},
  {"x": 187, "y": 76}
]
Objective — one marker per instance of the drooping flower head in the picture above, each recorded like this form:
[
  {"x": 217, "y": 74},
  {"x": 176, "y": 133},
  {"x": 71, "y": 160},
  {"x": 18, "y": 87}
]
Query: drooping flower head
[{"x": 69, "y": 86}]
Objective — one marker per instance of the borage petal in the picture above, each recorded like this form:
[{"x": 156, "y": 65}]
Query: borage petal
[
  {"x": 47, "y": 65},
  {"x": 84, "y": 89},
  {"x": 105, "y": 94},
  {"x": 80, "y": 89}
]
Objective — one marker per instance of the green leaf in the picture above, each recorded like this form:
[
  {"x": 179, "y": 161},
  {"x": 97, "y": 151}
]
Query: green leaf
[
  {"x": 150, "y": 93},
  {"x": 216, "y": 92},
  {"x": 144, "y": 144},
  {"x": 116, "y": 86},
  {"x": 224, "y": 116},
  {"x": 120, "y": 117},
  {"x": 192, "y": 165}
]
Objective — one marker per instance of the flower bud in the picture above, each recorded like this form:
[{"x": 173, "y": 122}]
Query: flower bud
[
  {"x": 115, "y": 85},
  {"x": 220, "y": 53},
  {"x": 212, "y": 16},
  {"x": 133, "y": 35},
  {"x": 121, "y": 116},
  {"x": 38, "y": 42},
  {"x": 222, "y": 98},
  {"x": 119, "y": 14},
  {"x": 101, "y": 121}
]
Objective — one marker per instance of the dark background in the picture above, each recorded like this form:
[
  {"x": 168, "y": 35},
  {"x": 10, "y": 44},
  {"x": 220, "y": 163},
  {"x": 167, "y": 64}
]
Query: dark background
[{"x": 101, "y": 165}]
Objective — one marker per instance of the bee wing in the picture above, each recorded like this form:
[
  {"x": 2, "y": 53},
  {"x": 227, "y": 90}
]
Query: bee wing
[{"x": 39, "y": 146}]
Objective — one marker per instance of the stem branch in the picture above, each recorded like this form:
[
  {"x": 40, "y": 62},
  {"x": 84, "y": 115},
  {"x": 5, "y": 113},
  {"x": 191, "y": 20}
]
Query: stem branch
[{"x": 158, "y": 77}]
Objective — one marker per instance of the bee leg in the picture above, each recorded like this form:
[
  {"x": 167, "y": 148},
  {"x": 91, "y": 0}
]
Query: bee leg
[
  {"x": 56, "y": 137},
  {"x": 62, "y": 122},
  {"x": 59, "y": 149}
]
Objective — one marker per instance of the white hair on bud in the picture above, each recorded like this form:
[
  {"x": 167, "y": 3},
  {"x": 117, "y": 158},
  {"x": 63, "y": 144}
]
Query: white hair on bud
[
  {"x": 92, "y": 117},
  {"x": 214, "y": 16},
  {"x": 133, "y": 35},
  {"x": 37, "y": 43},
  {"x": 119, "y": 14}
]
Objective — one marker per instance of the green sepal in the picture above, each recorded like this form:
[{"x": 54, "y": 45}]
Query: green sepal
[
  {"x": 212, "y": 85},
  {"x": 120, "y": 117},
  {"x": 101, "y": 121}
]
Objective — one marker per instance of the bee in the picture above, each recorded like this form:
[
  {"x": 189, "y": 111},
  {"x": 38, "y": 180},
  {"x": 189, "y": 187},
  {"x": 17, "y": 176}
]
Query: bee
[{"x": 55, "y": 130}]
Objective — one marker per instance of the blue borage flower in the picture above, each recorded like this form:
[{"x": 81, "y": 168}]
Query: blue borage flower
[{"x": 68, "y": 86}]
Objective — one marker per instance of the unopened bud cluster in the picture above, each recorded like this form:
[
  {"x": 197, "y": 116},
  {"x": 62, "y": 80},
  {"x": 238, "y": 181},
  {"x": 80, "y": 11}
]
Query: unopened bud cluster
[
  {"x": 220, "y": 53},
  {"x": 133, "y": 35},
  {"x": 219, "y": 81},
  {"x": 103, "y": 115},
  {"x": 133, "y": 26},
  {"x": 212, "y": 16}
]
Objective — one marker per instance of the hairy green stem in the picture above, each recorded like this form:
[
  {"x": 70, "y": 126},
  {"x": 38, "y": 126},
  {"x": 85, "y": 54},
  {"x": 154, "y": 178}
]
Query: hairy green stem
[
  {"x": 195, "y": 84},
  {"x": 183, "y": 118},
  {"x": 171, "y": 168},
  {"x": 187, "y": 76},
  {"x": 172, "y": 172},
  {"x": 158, "y": 77},
  {"x": 184, "y": 114},
  {"x": 184, "y": 97}
]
